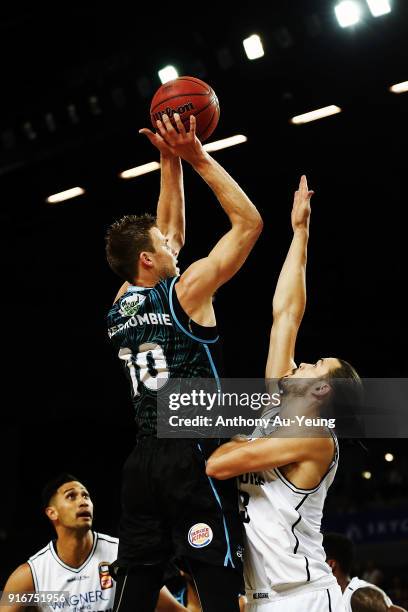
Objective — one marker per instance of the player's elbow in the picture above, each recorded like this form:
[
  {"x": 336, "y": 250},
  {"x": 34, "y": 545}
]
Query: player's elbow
[
  {"x": 214, "y": 470},
  {"x": 255, "y": 223}
]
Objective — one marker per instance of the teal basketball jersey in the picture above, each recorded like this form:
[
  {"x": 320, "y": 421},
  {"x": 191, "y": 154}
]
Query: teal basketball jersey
[{"x": 156, "y": 340}]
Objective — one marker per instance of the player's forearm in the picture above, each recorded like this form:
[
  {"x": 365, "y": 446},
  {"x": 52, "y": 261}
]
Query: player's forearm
[
  {"x": 290, "y": 292},
  {"x": 227, "y": 448},
  {"x": 170, "y": 207},
  {"x": 234, "y": 201}
]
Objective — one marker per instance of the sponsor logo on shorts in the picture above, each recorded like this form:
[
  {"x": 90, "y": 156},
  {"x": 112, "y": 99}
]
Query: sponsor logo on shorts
[
  {"x": 104, "y": 575},
  {"x": 200, "y": 535},
  {"x": 131, "y": 304},
  {"x": 240, "y": 551},
  {"x": 261, "y": 596}
]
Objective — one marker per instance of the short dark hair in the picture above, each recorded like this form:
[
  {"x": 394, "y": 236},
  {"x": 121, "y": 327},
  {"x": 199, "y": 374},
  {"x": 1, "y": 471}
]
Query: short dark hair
[
  {"x": 339, "y": 548},
  {"x": 53, "y": 485},
  {"x": 367, "y": 599},
  {"x": 125, "y": 240}
]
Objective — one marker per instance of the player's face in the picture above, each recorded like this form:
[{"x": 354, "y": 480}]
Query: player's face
[
  {"x": 72, "y": 505},
  {"x": 320, "y": 369},
  {"x": 164, "y": 258}
]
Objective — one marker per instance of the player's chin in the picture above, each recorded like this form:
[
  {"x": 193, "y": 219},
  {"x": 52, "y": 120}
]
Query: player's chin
[{"x": 84, "y": 521}]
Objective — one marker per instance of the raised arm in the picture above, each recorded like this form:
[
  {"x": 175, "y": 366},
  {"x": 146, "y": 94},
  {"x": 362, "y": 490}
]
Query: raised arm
[
  {"x": 171, "y": 205},
  {"x": 289, "y": 301},
  {"x": 199, "y": 282}
]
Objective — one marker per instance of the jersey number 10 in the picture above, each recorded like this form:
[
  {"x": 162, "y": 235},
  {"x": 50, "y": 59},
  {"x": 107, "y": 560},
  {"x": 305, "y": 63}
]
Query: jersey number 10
[{"x": 151, "y": 364}]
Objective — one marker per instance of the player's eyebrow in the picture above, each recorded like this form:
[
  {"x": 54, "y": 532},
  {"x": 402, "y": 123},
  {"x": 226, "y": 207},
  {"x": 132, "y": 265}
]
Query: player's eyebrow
[{"x": 70, "y": 489}]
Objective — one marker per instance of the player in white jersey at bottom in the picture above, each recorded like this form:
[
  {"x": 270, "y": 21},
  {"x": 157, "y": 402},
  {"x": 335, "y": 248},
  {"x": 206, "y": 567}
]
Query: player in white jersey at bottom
[
  {"x": 358, "y": 595},
  {"x": 284, "y": 480},
  {"x": 77, "y": 562}
]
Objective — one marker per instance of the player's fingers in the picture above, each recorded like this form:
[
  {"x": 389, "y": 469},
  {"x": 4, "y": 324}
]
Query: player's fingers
[
  {"x": 192, "y": 126},
  {"x": 146, "y": 132},
  {"x": 168, "y": 124},
  {"x": 161, "y": 128},
  {"x": 179, "y": 124},
  {"x": 154, "y": 138}
]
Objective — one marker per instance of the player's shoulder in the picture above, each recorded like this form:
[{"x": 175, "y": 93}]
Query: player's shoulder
[
  {"x": 21, "y": 579},
  {"x": 42, "y": 552},
  {"x": 107, "y": 540}
]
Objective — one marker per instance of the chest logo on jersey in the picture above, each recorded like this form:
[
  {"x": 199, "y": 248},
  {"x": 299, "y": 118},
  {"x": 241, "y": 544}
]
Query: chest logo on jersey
[
  {"x": 105, "y": 578},
  {"x": 200, "y": 535},
  {"x": 130, "y": 305}
]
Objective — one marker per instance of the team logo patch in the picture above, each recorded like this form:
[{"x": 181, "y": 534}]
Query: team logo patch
[
  {"x": 104, "y": 575},
  {"x": 200, "y": 535},
  {"x": 130, "y": 305}
]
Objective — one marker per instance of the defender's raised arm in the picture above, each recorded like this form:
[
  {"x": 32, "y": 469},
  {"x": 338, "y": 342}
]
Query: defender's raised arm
[{"x": 289, "y": 301}]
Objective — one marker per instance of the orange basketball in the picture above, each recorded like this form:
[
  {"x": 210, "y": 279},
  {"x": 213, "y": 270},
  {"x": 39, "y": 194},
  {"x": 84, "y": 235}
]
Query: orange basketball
[{"x": 187, "y": 96}]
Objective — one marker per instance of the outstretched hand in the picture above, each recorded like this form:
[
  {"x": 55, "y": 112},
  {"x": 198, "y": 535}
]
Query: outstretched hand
[
  {"x": 179, "y": 142},
  {"x": 301, "y": 206}
]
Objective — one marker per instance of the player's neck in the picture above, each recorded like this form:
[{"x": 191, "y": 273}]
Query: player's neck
[
  {"x": 146, "y": 280},
  {"x": 343, "y": 581},
  {"x": 292, "y": 407},
  {"x": 73, "y": 547}
]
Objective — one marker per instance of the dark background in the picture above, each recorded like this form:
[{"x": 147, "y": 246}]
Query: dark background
[{"x": 75, "y": 89}]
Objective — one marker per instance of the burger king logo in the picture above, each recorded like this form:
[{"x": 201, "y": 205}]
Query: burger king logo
[{"x": 200, "y": 535}]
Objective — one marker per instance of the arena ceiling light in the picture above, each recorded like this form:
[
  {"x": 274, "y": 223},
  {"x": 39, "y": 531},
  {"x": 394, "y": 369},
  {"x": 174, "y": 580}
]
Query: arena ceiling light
[
  {"x": 389, "y": 457},
  {"x": 139, "y": 170},
  {"x": 168, "y": 73},
  {"x": 399, "y": 87},
  {"x": 320, "y": 113},
  {"x": 65, "y": 195},
  {"x": 379, "y": 7},
  {"x": 348, "y": 13},
  {"x": 366, "y": 475},
  {"x": 253, "y": 47},
  {"x": 217, "y": 145}
]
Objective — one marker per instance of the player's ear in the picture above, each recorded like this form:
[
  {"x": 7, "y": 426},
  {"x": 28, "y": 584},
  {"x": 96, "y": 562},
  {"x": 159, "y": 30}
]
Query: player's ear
[
  {"x": 332, "y": 563},
  {"x": 321, "y": 390},
  {"x": 51, "y": 513},
  {"x": 145, "y": 258}
]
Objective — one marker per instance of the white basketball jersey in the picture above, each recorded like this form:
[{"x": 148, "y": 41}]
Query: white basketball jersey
[
  {"x": 282, "y": 522},
  {"x": 354, "y": 584},
  {"x": 90, "y": 586}
]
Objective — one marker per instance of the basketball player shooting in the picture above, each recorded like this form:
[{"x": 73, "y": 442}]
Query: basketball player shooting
[
  {"x": 284, "y": 480},
  {"x": 164, "y": 326}
]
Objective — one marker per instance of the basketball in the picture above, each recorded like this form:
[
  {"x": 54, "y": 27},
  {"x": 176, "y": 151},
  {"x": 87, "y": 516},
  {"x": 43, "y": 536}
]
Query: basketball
[{"x": 187, "y": 96}]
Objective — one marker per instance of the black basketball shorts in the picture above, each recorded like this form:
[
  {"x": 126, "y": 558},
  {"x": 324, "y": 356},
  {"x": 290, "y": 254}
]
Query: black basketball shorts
[{"x": 172, "y": 509}]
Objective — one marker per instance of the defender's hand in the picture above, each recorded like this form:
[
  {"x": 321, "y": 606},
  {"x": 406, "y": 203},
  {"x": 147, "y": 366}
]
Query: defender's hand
[{"x": 301, "y": 206}]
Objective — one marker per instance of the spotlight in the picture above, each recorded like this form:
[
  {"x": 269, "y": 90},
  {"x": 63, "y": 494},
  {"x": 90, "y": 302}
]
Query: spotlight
[
  {"x": 379, "y": 7},
  {"x": 320, "y": 113},
  {"x": 65, "y": 195},
  {"x": 399, "y": 87},
  {"x": 366, "y": 475},
  {"x": 139, "y": 170},
  {"x": 389, "y": 457},
  {"x": 253, "y": 47},
  {"x": 169, "y": 73},
  {"x": 348, "y": 13},
  {"x": 217, "y": 145}
]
